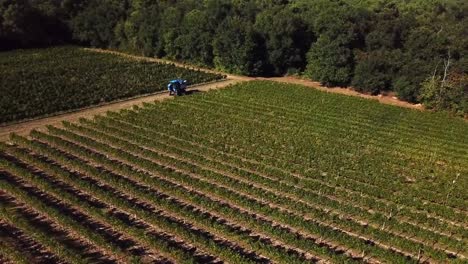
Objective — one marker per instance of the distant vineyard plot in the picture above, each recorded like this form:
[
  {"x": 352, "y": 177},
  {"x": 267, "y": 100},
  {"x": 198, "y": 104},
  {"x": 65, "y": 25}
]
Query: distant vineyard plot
[
  {"x": 259, "y": 172},
  {"x": 45, "y": 81}
]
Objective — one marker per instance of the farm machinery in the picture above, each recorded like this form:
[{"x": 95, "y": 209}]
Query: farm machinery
[{"x": 177, "y": 87}]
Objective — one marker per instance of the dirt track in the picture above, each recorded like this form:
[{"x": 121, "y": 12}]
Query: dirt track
[
  {"x": 385, "y": 99},
  {"x": 24, "y": 128}
]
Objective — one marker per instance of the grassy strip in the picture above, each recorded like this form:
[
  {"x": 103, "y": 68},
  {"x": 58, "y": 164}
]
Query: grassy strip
[{"x": 12, "y": 254}]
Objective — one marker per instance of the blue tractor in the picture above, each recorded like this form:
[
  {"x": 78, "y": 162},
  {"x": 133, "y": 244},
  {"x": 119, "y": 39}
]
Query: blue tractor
[{"x": 177, "y": 87}]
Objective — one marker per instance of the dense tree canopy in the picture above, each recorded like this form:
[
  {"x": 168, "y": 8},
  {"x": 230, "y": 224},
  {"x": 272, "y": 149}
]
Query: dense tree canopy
[
  {"x": 373, "y": 45},
  {"x": 286, "y": 38},
  {"x": 237, "y": 47}
]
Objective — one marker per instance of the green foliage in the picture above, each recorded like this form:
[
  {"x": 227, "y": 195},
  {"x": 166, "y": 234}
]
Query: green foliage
[
  {"x": 388, "y": 28},
  {"x": 248, "y": 186},
  {"x": 329, "y": 62},
  {"x": 330, "y": 59},
  {"x": 69, "y": 78},
  {"x": 378, "y": 63},
  {"x": 140, "y": 32},
  {"x": 286, "y": 37},
  {"x": 96, "y": 23},
  {"x": 374, "y": 45},
  {"x": 406, "y": 89},
  {"x": 27, "y": 23},
  {"x": 237, "y": 47},
  {"x": 194, "y": 40},
  {"x": 375, "y": 71},
  {"x": 17, "y": 24},
  {"x": 450, "y": 94}
]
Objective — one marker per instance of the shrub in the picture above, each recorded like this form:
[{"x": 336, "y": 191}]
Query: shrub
[
  {"x": 375, "y": 70},
  {"x": 450, "y": 94},
  {"x": 329, "y": 62},
  {"x": 406, "y": 90}
]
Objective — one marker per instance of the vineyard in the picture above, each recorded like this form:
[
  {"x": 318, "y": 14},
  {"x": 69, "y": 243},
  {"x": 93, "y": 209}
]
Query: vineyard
[
  {"x": 260, "y": 172},
  {"x": 46, "y": 81}
]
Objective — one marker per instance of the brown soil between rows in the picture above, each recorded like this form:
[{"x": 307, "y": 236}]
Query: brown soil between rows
[
  {"x": 17, "y": 240},
  {"x": 75, "y": 211},
  {"x": 299, "y": 177},
  {"x": 254, "y": 235},
  {"x": 274, "y": 206},
  {"x": 327, "y": 209},
  {"x": 213, "y": 197},
  {"x": 124, "y": 242},
  {"x": 147, "y": 205},
  {"x": 127, "y": 216},
  {"x": 68, "y": 237}
]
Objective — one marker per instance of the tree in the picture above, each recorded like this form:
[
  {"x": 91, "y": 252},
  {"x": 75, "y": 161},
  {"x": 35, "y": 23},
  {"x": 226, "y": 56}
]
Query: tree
[
  {"x": 18, "y": 24},
  {"x": 375, "y": 71},
  {"x": 140, "y": 32},
  {"x": 96, "y": 23},
  {"x": 238, "y": 48},
  {"x": 287, "y": 39},
  {"x": 372, "y": 44},
  {"x": 217, "y": 10},
  {"x": 446, "y": 94},
  {"x": 436, "y": 30},
  {"x": 195, "y": 39},
  {"x": 329, "y": 62},
  {"x": 378, "y": 62},
  {"x": 170, "y": 21},
  {"x": 387, "y": 28},
  {"x": 330, "y": 59}
]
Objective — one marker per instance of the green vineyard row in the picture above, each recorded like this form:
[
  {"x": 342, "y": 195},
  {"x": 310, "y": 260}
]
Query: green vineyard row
[
  {"x": 46, "y": 81},
  {"x": 236, "y": 177}
]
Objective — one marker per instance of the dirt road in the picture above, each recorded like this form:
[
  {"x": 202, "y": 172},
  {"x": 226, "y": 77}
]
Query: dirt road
[
  {"x": 24, "y": 128},
  {"x": 385, "y": 99}
]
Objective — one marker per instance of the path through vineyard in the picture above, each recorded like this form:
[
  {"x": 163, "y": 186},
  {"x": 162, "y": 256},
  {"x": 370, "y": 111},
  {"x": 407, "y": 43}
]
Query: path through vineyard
[
  {"x": 385, "y": 99},
  {"x": 23, "y": 128}
]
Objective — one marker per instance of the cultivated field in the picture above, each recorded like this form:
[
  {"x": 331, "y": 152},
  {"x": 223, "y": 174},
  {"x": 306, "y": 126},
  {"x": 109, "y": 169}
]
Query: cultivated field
[
  {"x": 46, "y": 81},
  {"x": 259, "y": 172}
]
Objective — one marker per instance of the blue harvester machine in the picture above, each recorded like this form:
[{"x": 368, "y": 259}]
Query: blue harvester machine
[{"x": 177, "y": 87}]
